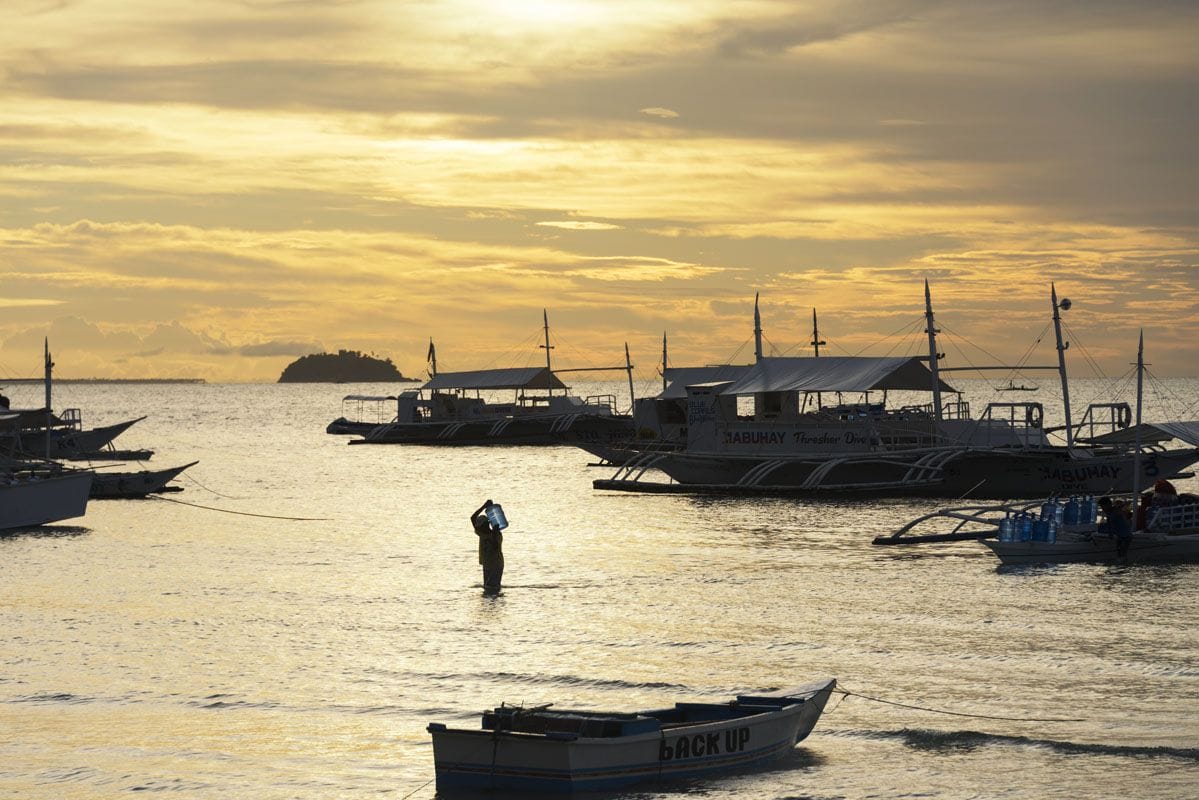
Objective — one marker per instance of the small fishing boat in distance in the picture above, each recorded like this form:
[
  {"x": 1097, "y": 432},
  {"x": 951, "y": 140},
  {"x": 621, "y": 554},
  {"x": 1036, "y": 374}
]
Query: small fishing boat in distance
[
  {"x": 545, "y": 749},
  {"x": 1012, "y": 386}
]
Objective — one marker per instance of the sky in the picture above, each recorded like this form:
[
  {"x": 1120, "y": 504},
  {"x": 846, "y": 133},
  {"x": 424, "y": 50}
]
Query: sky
[{"x": 212, "y": 189}]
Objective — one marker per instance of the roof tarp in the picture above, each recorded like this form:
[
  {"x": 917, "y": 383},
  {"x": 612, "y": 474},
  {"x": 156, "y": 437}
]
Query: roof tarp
[
  {"x": 679, "y": 378},
  {"x": 1153, "y": 432},
  {"x": 368, "y": 397},
  {"x": 514, "y": 378},
  {"x": 835, "y": 374}
]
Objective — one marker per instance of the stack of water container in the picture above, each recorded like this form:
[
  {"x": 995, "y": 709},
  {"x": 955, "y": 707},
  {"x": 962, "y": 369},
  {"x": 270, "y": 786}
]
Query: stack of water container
[{"x": 1026, "y": 526}]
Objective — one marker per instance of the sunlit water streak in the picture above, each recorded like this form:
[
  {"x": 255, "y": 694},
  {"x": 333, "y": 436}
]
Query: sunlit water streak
[{"x": 155, "y": 646}]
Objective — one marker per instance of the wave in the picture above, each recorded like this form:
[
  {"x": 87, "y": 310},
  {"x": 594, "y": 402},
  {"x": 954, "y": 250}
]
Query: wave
[{"x": 925, "y": 739}]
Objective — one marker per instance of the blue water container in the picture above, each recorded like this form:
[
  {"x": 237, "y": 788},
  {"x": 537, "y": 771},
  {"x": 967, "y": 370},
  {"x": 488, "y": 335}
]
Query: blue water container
[
  {"x": 1059, "y": 512},
  {"x": 1040, "y": 530},
  {"x": 1005, "y": 528},
  {"x": 1025, "y": 527},
  {"x": 1071, "y": 515},
  {"x": 1051, "y": 532},
  {"x": 1090, "y": 510},
  {"x": 495, "y": 515}
]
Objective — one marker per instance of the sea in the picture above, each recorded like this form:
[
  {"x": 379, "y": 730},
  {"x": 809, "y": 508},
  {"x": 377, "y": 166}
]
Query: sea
[{"x": 289, "y": 624}]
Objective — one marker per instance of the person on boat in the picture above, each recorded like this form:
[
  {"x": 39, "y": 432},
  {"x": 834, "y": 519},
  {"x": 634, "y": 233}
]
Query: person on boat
[
  {"x": 1117, "y": 521},
  {"x": 491, "y": 549}
]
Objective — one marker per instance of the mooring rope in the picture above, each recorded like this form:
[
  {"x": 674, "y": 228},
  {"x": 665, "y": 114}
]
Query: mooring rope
[
  {"x": 848, "y": 693},
  {"x": 240, "y": 513}
]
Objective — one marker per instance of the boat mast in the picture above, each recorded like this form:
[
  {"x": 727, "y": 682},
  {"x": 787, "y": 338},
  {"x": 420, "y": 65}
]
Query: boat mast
[
  {"x": 49, "y": 369},
  {"x": 1064, "y": 305},
  {"x": 1136, "y": 458},
  {"x": 663, "y": 360},
  {"x": 757, "y": 331},
  {"x": 548, "y": 347},
  {"x": 432, "y": 358},
  {"x": 933, "y": 356},
  {"x": 816, "y": 342},
  {"x": 628, "y": 365}
]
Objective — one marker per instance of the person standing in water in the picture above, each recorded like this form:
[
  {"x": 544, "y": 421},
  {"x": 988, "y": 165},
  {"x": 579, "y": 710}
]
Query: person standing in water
[{"x": 491, "y": 549}]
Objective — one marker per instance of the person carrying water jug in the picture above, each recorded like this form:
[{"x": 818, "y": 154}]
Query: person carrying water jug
[{"x": 491, "y": 548}]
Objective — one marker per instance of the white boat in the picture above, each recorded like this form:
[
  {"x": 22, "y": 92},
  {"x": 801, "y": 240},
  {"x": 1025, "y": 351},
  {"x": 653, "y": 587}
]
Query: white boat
[
  {"x": 451, "y": 409},
  {"x": 545, "y": 749},
  {"x": 939, "y": 449}
]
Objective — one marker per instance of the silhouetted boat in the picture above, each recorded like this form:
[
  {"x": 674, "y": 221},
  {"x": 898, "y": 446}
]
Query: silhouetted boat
[
  {"x": 547, "y": 749},
  {"x": 935, "y": 449},
  {"x": 110, "y": 485}
]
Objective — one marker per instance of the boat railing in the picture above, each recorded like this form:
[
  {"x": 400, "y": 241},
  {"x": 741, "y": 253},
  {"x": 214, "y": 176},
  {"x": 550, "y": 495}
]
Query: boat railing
[
  {"x": 1020, "y": 424},
  {"x": 604, "y": 400},
  {"x": 73, "y": 418},
  {"x": 1101, "y": 418},
  {"x": 959, "y": 409}
]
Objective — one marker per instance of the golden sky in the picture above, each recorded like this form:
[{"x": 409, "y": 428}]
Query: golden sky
[{"x": 213, "y": 188}]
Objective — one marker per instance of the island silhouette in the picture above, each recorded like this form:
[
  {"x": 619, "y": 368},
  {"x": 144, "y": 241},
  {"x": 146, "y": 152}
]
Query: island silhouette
[{"x": 344, "y": 366}]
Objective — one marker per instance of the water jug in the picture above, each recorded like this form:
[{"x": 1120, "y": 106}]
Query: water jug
[
  {"x": 1025, "y": 527},
  {"x": 1070, "y": 517},
  {"x": 1090, "y": 510},
  {"x": 495, "y": 515},
  {"x": 1051, "y": 532},
  {"x": 1040, "y": 530},
  {"x": 1005, "y": 528}
]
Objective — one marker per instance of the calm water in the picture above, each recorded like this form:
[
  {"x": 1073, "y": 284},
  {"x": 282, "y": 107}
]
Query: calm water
[{"x": 161, "y": 646}]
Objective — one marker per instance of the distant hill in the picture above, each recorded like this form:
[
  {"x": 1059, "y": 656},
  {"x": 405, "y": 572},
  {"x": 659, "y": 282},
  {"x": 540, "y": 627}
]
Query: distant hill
[{"x": 344, "y": 366}]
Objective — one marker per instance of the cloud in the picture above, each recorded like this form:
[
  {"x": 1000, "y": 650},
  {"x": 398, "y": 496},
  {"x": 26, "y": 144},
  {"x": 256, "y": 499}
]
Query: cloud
[
  {"x": 280, "y": 348},
  {"x": 578, "y": 225},
  {"x": 663, "y": 113}
]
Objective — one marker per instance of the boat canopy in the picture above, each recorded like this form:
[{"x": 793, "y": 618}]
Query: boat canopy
[
  {"x": 835, "y": 374},
  {"x": 679, "y": 378},
  {"x": 513, "y": 378},
  {"x": 1151, "y": 432},
  {"x": 369, "y": 397}
]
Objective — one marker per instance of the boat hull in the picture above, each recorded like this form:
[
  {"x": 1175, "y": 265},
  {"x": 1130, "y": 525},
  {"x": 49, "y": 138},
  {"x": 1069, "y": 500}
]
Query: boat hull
[
  {"x": 532, "y": 429},
  {"x": 998, "y": 473},
  {"x": 46, "y": 498},
  {"x": 484, "y": 759},
  {"x": 1145, "y": 548},
  {"x": 112, "y": 485}
]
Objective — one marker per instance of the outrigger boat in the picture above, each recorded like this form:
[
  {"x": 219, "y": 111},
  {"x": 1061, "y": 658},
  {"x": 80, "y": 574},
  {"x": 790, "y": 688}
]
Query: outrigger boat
[
  {"x": 1069, "y": 532},
  {"x": 935, "y": 449},
  {"x": 139, "y": 483},
  {"x": 450, "y": 409},
  {"x": 546, "y": 749}
]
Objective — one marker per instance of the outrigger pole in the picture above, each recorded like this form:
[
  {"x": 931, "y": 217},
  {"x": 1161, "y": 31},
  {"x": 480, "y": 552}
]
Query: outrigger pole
[{"x": 663, "y": 360}]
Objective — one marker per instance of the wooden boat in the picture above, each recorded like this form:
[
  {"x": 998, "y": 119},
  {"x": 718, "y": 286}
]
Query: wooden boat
[
  {"x": 1013, "y": 387},
  {"x": 544, "y": 749},
  {"x": 111, "y": 485}
]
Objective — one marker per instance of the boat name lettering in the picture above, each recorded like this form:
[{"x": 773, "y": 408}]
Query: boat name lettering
[
  {"x": 753, "y": 437},
  {"x": 1078, "y": 475},
  {"x": 703, "y": 744}
]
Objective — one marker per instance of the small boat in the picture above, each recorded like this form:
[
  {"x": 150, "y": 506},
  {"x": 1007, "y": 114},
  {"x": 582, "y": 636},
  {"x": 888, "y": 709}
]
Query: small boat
[
  {"x": 111, "y": 485},
  {"x": 36, "y": 493},
  {"x": 1013, "y": 387},
  {"x": 545, "y": 749}
]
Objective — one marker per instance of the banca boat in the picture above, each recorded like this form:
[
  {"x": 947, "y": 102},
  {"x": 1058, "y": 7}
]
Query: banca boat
[
  {"x": 545, "y": 749},
  {"x": 789, "y": 446}
]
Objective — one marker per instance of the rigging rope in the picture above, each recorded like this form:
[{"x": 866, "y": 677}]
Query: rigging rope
[
  {"x": 848, "y": 693},
  {"x": 240, "y": 513}
]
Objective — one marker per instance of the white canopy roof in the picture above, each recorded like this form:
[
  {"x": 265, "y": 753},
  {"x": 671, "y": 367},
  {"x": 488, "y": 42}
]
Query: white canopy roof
[
  {"x": 513, "y": 378},
  {"x": 1154, "y": 432},
  {"x": 835, "y": 374},
  {"x": 679, "y": 378}
]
